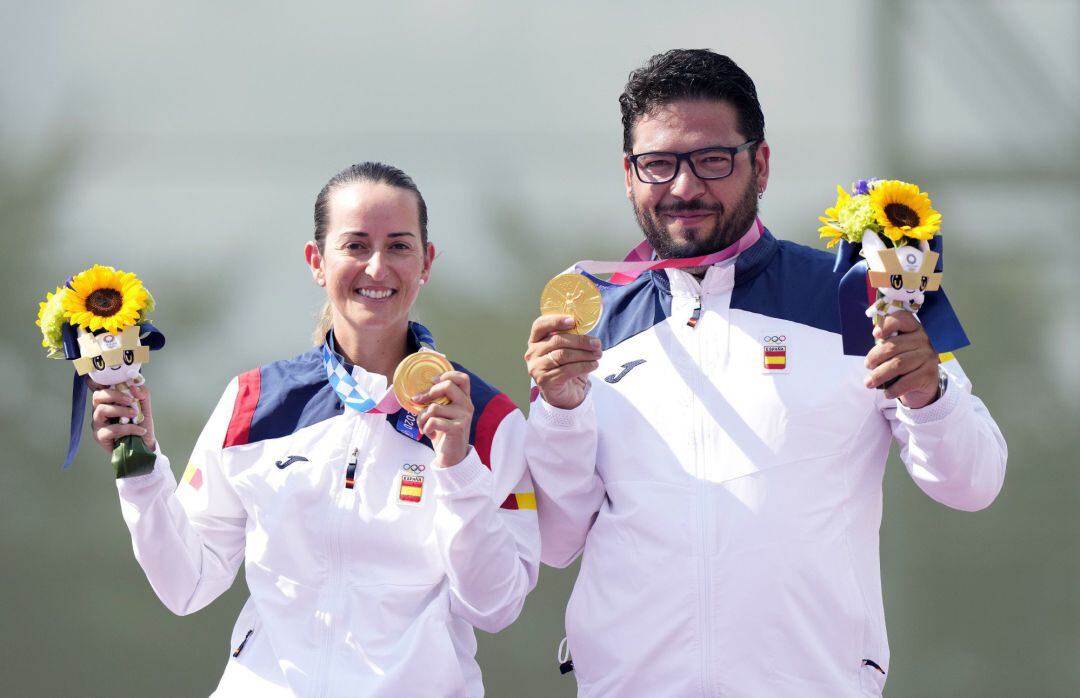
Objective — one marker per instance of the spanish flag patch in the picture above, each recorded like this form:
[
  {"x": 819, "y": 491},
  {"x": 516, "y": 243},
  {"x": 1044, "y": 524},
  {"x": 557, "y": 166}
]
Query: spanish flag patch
[
  {"x": 193, "y": 477},
  {"x": 412, "y": 488}
]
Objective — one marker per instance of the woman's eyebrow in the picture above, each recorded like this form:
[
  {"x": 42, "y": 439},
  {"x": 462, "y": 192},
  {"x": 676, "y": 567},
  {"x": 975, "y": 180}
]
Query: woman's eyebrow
[{"x": 361, "y": 233}]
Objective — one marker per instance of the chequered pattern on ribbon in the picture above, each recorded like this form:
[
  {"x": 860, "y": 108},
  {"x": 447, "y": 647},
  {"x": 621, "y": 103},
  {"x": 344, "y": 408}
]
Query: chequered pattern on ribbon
[{"x": 343, "y": 383}]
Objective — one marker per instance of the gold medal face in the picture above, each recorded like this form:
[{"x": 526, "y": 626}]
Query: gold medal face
[
  {"x": 572, "y": 294},
  {"x": 415, "y": 375}
]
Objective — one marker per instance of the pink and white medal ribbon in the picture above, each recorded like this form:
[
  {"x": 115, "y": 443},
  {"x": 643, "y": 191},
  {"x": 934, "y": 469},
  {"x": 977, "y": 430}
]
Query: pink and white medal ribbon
[{"x": 640, "y": 259}]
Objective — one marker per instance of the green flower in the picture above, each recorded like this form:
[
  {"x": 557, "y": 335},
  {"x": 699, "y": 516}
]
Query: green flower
[
  {"x": 144, "y": 314},
  {"x": 855, "y": 216},
  {"x": 51, "y": 320}
]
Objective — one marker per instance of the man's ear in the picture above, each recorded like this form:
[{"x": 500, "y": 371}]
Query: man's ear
[
  {"x": 761, "y": 165},
  {"x": 315, "y": 262},
  {"x": 627, "y": 167}
]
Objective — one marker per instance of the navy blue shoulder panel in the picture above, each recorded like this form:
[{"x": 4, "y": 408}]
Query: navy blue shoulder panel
[
  {"x": 632, "y": 308},
  {"x": 788, "y": 281},
  {"x": 293, "y": 394},
  {"x": 485, "y": 396}
]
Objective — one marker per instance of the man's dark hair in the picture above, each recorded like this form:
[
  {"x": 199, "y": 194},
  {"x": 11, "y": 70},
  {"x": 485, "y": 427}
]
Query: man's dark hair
[
  {"x": 691, "y": 74},
  {"x": 376, "y": 173}
]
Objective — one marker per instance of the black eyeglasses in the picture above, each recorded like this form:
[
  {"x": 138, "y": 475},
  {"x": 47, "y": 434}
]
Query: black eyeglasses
[{"x": 715, "y": 162}]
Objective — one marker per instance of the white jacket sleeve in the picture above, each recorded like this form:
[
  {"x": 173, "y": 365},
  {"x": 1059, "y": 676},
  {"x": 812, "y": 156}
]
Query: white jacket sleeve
[
  {"x": 189, "y": 539},
  {"x": 952, "y": 448},
  {"x": 485, "y": 523},
  {"x": 560, "y": 448}
]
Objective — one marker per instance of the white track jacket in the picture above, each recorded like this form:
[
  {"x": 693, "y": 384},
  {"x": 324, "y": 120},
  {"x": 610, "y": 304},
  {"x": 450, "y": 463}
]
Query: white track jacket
[
  {"x": 368, "y": 568},
  {"x": 723, "y": 483}
]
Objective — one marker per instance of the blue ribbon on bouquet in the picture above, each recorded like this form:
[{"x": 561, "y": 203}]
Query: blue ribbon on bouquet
[
  {"x": 148, "y": 336},
  {"x": 856, "y": 294}
]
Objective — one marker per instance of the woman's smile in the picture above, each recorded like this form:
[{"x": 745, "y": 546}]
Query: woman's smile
[{"x": 375, "y": 293}]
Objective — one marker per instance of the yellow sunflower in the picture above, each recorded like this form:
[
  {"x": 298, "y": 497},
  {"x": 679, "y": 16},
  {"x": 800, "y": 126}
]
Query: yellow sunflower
[
  {"x": 904, "y": 211},
  {"x": 832, "y": 229},
  {"x": 104, "y": 298}
]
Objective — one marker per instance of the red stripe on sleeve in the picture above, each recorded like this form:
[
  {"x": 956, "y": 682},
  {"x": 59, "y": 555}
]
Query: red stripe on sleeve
[
  {"x": 534, "y": 393},
  {"x": 244, "y": 408},
  {"x": 489, "y": 421},
  {"x": 510, "y": 503}
]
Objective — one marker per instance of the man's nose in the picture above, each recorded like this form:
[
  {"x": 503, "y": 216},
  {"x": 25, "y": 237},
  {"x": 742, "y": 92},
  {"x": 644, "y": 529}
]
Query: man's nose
[{"x": 686, "y": 184}]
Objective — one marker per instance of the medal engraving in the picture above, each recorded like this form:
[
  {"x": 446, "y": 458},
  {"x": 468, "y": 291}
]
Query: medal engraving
[
  {"x": 572, "y": 294},
  {"x": 415, "y": 375}
]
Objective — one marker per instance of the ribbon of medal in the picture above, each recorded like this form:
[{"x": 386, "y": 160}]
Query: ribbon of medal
[
  {"x": 578, "y": 294},
  {"x": 355, "y": 397},
  {"x": 642, "y": 259}
]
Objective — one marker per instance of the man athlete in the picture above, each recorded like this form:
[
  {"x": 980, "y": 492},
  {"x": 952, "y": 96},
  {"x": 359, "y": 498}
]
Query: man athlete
[{"x": 727, "y": 513}]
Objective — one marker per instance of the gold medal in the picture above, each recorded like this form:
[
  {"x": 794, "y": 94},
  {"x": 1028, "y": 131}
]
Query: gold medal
[
  {"x": 416, "y": 374},
  {"x": 572, "y": 294}
]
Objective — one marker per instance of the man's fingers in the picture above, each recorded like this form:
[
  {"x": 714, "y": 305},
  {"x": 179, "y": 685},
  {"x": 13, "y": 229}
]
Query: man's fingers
[
  {"x": 892, "y": 347},
  {"x": 549, "y": 324},
  {"x": 581, "y": 342},
  {"x": 566, "y": 357},
  {"x": 899, "y": 365},
  {"x": 566, "y": 372},
  {"x": 900, "y": 322},
  {"x": 923, "y": 380},
  {"x": 566, "y": 348}
]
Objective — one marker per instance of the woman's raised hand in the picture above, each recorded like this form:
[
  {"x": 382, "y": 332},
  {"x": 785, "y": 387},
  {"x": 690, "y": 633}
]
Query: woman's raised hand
[
  {"x": 113, "y": 404},
  {"x": 447, "y": 425}
]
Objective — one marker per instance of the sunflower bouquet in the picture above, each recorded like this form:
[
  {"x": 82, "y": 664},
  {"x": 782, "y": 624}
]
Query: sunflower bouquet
[
  {"x": 893, "y": 223},
  {"x": 100, "y": 320}
]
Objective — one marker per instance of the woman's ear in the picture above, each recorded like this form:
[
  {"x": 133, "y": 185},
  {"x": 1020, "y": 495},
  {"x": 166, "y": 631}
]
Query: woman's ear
[
  {"x": 429, "y": 259},
  {"x": 315, "y": 262}
]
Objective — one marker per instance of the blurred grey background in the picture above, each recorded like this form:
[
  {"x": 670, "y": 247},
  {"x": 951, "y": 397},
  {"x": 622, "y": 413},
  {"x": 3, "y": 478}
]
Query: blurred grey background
[{"x": 186, "y": 142}]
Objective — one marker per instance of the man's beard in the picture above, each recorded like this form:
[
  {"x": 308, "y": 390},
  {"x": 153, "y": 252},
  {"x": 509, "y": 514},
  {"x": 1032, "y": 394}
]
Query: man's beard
[{"x": 728, "y": 227}]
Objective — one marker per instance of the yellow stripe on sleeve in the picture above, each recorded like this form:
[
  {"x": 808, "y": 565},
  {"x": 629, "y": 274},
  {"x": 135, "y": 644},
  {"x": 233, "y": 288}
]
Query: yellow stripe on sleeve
[{"x": 525, "y": 500}]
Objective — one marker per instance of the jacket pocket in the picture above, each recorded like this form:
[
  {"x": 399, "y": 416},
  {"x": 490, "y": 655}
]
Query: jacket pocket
[
  {"x": 872, "y": 678},
  {"x": 244, "y": 631}
]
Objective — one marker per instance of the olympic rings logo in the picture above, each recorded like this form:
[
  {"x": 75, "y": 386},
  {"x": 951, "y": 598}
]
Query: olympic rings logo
[
  {"x": 414, "y": 467},
  {"x": 775, "y": 338}
]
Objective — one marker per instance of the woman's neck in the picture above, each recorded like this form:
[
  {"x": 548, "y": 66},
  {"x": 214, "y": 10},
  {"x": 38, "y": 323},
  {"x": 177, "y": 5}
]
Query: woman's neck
[{"x": 375, "y": 351}]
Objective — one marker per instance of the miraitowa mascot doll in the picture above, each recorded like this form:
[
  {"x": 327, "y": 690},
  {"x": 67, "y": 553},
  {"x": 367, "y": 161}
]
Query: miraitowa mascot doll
[
  {"x": 894, "y": 228},
  {"x": 99, "y": 320}
]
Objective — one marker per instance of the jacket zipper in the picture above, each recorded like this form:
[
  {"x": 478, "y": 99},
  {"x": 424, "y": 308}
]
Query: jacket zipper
[
  {"x": 699, "y": 471},
  {"x": 336, "y": 576},
  {"x": 240, "y": 647}
]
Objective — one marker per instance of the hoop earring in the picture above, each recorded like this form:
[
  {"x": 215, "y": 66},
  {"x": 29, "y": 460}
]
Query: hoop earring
[{"x": 761, "y": 194}]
